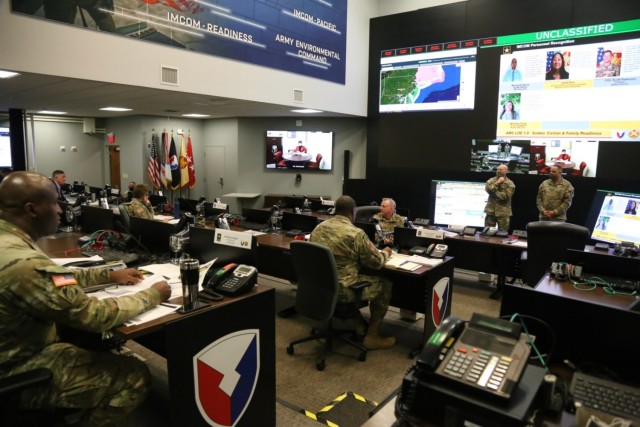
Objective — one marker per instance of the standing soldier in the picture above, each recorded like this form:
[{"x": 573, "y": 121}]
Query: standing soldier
[{"x": 498, "y": 208}]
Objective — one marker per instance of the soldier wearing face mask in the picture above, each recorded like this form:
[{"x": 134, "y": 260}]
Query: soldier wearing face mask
[{"x": 498, "y": 207}]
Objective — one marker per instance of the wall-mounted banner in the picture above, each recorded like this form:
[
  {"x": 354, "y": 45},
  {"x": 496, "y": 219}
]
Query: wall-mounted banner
[{"x": 306, "y": 37}]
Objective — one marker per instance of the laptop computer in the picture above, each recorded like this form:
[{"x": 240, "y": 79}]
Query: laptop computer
[
  {"x": 368, "y": 228},
  {"x": 299, "y": 223}
]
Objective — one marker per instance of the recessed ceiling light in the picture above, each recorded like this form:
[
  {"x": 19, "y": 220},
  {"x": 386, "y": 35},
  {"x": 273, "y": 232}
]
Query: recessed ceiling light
[
  {"x": 51, "y": 112},
  {"x": 306, "y": 111},
  {"x": 196, "y": 115},
  {"x": 115, "y": 109},
  {"x": 7, "y": 74}
]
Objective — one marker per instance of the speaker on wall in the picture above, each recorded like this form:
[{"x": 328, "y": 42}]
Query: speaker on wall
[{"x": 347, "y": 162}]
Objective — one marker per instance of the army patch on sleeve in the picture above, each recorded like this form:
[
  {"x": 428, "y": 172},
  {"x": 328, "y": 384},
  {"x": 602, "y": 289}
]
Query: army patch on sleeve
[{"x": 63, "y": 280}]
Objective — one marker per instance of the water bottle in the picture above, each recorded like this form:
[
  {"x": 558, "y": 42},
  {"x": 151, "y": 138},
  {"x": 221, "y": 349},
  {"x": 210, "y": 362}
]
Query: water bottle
[{"x": 176, "y": 210}]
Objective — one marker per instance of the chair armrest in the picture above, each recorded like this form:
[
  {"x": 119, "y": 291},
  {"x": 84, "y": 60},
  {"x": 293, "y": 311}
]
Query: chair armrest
[
  {"x": 18, "y": 382},
  {"x": 358, "y": 287}
]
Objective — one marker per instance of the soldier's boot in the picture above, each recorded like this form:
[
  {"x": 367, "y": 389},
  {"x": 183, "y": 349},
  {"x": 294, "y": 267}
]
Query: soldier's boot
[{"x": 374, "y": 340}]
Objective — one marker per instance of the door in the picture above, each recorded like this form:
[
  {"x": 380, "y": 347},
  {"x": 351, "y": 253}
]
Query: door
[
  {"x": 114, "y": 166},
  {"x": 214, "y": 164}
]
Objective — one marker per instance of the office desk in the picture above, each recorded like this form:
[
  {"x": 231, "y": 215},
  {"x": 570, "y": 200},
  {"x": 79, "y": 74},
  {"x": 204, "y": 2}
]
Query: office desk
[
  {"x": 486, "y": 254},
  {"x": 247, "y": 322},
  {"x": 590, "y": 326},
  {"x": 427, "y": 290}
]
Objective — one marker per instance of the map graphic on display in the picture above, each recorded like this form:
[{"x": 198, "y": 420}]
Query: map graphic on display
[{"x": 425, "y": 84}]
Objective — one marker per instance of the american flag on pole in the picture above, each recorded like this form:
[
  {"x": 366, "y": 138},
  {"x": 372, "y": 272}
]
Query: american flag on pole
[
  {"x": 192, "y": 169},
  {"x": 154, "y": 164}
]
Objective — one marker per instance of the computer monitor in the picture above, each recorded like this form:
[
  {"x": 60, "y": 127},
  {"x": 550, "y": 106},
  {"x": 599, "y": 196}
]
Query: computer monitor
[
  {"x": 458, "y": 203},
  {"x": 494, "y": 148},
  {"x": 154, "y": 234},
  {"x": 368, "y": 228},
  {"x": 302, "y": 222},
  {"x": 188, "y": 205},
  {"x": 259, "y": 216},
  {"x": 93, "y": 218},
  {"x": 294, "y": 202},
  {"x": 98, "y": 191},
  {"x": 227, "y": 246},
  {"x": 614, "y": 217},
  {"x": 210, "y": 211},
  {"x": 516, "y": 150},
  {"x": 78, "y": 188},
  {"x": 157, "y": 200},
  {"x": 406, "y": 238}
]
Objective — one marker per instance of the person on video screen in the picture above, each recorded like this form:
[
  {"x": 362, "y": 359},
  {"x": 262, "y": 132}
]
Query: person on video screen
[
  {"x": 508, "y": 112},
  {"x": 512, "y": 74},
  {"x": 557, "y": 70},
  {"x": 631, "y": 208},
  {"x": 607, "y": 68},
  {"x": 300, "y": 148}
]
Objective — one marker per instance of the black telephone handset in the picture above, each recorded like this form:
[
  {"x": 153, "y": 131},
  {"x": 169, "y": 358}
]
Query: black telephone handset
[
  {"x": 440, "y": 341},
  {"x": 231, "y": 280}
]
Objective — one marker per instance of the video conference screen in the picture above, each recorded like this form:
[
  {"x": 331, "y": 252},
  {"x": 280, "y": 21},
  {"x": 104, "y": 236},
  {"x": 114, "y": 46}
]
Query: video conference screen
[
  {"x": 300, "y": 150},
  {"x": 458, "y": 203},
  {"x": 613, "y": 217},
  {"x": 5, "y": 148},
  {"x": 428, "y": 78}
]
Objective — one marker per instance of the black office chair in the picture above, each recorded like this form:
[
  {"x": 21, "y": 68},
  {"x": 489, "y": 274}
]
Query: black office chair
[
  {"x": 317, "y": 296},
  {"x": 364, "y": 213},
  {"x": 124, "y": 216},
  {"x": 547, "y": 242},
  {"x": 11, "y": 387}
]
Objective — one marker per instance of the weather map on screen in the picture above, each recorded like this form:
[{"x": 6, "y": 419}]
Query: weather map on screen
[{"x": 423, "y": 78}]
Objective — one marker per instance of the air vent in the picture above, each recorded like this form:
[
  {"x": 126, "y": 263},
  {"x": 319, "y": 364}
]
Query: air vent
[
  {"x": 298, "y": 95},
  {"x": 168, "y": 75}
]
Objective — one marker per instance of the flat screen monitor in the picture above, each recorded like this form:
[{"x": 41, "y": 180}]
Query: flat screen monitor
[
  {"x": 157, "y": 200},
  {"x": 302, "y": 222},
  {"x": 299, "y": 150},
  {"x": 210, "y": 211},
  {"x": 494, "y": 148},
  {"x": 516, "y": 150},
  {"x": 93, "y": 218},
  {"x": 259, "y": 216},
  {"x": 292, "y": 202},
  {"x": 428, "y": 78},
  {"x": 614, "y": 217},
  {"x": 78, "y": 188},
  {"x": 206, "y": 244},
  {"x": 188, "y": 205},
  {"x": 5, "y": 148},
  {"x": 368, "y": 228},
  {"x": 98, "y": 191},
  {"x": 458, "y": 203},
  {"x": 153, "y": 234}
]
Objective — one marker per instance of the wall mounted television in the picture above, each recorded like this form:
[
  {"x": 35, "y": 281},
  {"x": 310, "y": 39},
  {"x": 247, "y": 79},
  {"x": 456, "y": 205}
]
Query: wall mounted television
[
  {"x": 428, "y": 78},
  {"x": 299, "y": 150},
  {"x": 5, "y": 148},
  {"x": 458, "y": 203},
  {"x": 614, "y": 217}
]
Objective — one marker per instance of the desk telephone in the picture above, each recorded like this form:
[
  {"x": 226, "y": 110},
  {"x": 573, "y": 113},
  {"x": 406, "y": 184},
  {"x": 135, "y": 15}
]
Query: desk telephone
[
  {"x": 486, "y": 357},
  {"x": 437, "y": 250},
  {"x": 231, "y": 280}
]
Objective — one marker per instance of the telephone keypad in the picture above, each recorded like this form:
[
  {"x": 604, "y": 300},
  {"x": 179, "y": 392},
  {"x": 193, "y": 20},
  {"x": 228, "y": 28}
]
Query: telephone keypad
[{"x": 482, "y": 367}]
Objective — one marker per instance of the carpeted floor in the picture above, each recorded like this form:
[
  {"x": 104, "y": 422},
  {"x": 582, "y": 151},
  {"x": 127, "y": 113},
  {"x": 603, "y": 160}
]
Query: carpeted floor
[{"x": 301, "y": 387}]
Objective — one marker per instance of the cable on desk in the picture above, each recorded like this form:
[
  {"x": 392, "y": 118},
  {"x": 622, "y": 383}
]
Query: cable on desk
[{"x": 543, "y": 361}]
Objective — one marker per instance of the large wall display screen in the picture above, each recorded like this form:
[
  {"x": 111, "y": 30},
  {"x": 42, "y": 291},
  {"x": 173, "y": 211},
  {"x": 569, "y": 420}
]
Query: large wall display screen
[
  {"x": 571, "y": 83},
  {"x": 428, "y": 78},
  {"x": 306, "y": 37},
  {"x": 5, "y": 148}
]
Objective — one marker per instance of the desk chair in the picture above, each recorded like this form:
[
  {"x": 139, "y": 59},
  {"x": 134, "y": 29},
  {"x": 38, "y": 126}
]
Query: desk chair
[
  {"x": 364, "y": 213},
  {"x": 11, "y": 387},
  {"x": 547, "y": 242},
  {"x": 580, "y": 171},
  {"x": 317, "y": 298},
  {"x": 124, "y": 216}
]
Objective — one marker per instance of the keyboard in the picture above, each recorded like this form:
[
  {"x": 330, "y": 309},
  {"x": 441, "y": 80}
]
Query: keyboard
[
  {"x": 616, "y": 283},
  {"x": 606, "y": 396},
  {"x": 249, "y": 225},
  {"x": 109, "y": 254}
]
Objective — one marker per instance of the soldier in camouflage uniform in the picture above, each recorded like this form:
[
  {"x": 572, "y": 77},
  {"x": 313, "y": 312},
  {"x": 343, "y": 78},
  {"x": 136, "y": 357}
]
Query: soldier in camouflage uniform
[
  {"x": 554, "y": 196},
  {"x": 498, "y": 207},
  {"x": 35, "y": 294},
  {"x": 353, "y": 250},
  {"x": 140, "y": 205},
  {"x": 388, "y": 220}
]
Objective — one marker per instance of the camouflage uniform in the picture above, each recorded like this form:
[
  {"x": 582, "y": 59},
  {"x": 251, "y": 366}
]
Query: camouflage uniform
[
  {"x": 388, "y": 225},
  {"x": 109, "y": 385},
  {"x": 140, "y": 209},
  {"x": 612, "y": 70},
  {"x": 353, "y": 250},
  {"x": 498, "y": 207},
  {"x": 557, "y": 197}
]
